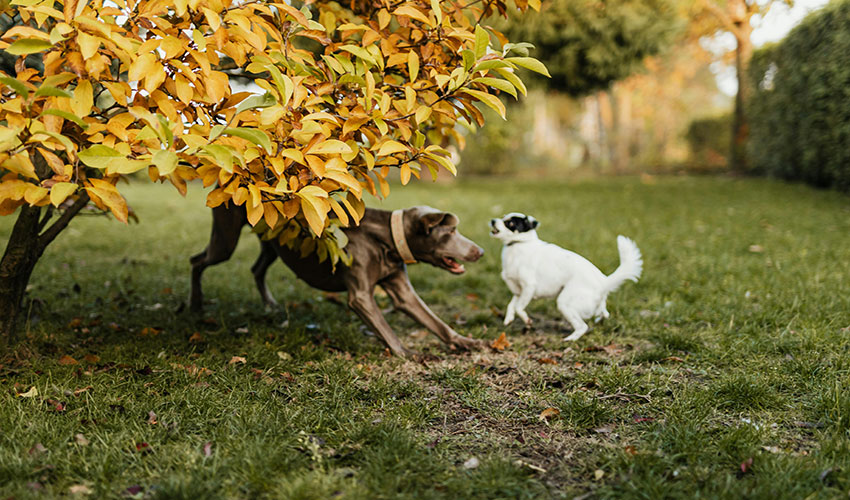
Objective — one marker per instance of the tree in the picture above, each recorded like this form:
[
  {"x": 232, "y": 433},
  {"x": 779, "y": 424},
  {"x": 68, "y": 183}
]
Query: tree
[
  {"x": 123, "y": 86},
  {"x": 587, "y": 44},
  {"x": 735, "y": 17}
]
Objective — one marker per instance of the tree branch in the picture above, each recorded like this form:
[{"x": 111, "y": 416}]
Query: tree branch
[{"x": 61, "y": 223}]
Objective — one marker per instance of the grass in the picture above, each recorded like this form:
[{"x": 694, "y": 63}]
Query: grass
[{"x": 724, "y": 373}]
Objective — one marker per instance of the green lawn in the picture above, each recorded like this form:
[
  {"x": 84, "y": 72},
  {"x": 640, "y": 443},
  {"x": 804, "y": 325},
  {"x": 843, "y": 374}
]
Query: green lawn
[{"x": 724, "y": 373}]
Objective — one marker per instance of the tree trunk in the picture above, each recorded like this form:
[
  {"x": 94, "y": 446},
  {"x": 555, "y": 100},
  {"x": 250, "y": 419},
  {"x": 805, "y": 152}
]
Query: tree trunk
[
  {"x": 22, "y": 252},
  {"x": 26, "y": 245},
  {"x": 740, "y": 123}
]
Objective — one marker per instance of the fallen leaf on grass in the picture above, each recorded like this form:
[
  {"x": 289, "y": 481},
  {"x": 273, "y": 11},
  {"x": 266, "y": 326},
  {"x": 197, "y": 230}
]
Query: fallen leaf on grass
[
  {"x": 547, "y": 361},
  {"x": 80, "y": 489},
  {"x": 33, "y": 392},
  {"x": 771, "y": 449},
  {"x": 67, "y": 360},
  {"x": 37, "y": 449},
  {"x": 548, "y": 413},
  {"x": 674, "y": 358},
  {"x": 501, "y": 343},
  {"x": 143, "y": 447},
  {"x": 150, "y": 331},
  {"x": 746, "y": 465},
  {"x": 196, "y": 337},
  {"x": 57, "y": 406},
  {"x": 533, "y": 467},
  {"x": 152, "y": 418},
  {"x": 91, "y": 358},
  {"x": 208, "y": 449},
  {"x": 472, "y": 463},
  {"x": 237, "y": 359},
  {"x": 598, "y": 474},
  {"x": 610, "y": 349},
  {"x": 77, "y": 392},
  {"x": 81, "y": 440},
  {"x": 605, "y": 429},
  {"x": 630, "y": 450},
  {"x": 756, "y": 249}
]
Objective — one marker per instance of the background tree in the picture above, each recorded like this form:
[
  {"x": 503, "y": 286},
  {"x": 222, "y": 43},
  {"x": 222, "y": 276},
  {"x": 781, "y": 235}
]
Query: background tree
[
  {"x": 587, "y": 44},
  {"x": 735, "y": 17},
  {"x": 122, "y": 86}
]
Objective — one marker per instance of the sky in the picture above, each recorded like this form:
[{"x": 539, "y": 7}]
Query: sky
[{"x": 771, "y": 28}]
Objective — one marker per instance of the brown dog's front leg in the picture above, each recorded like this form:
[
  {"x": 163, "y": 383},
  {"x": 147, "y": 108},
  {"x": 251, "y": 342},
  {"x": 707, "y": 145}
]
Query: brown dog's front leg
[
  {"x": 405, "y": 298},
  {"x": 362, "y": 301}
]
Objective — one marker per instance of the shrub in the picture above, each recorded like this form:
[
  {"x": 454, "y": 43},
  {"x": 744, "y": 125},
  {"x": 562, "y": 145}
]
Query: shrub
[
  {"x": 800, "y": 109},
  {"x": 708, "y": 141}
]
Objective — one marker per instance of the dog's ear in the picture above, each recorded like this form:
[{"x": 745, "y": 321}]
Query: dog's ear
[
  {"x": 534, "y": 222},
  {"x": 431, "y": 220}
]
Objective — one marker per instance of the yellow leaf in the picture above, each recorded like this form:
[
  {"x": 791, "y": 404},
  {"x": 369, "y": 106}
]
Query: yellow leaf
[
  {"x": 331, "y": 146},
  {"x": 88, "y": 44},
  {"x": 489, "y": 99},
  {"x": 60, "y": 191},
  {"x": 410, "y": 11},
  {"x": 346, "y": 180},
  {"x": 413, "y": 65},
  {"x": 405, "y": 174},
  {"x": 391, "y": 147},
  {"x": 141, "y": 67},
  {"x": 255, "y": 213},
  {"x": 83, "y": 99},
  {"x": 35, "y": 194},
  {"x": 110, "y": 197}
]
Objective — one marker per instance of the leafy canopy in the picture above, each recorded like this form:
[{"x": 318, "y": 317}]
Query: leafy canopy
[
  {"x": 587, "y": 44},
  {"x": 128, "y": 86}
]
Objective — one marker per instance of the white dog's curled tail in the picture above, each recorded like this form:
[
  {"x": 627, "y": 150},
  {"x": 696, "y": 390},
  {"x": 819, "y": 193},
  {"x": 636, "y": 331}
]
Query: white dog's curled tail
[{"x": 631, "y": 265}]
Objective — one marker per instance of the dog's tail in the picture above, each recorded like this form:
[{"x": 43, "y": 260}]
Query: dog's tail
[{"x": 631, "y": 265}]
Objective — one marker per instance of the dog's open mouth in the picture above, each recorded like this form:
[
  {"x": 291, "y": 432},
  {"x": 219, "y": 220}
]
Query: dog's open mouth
[{"x": 453, "y": 266}]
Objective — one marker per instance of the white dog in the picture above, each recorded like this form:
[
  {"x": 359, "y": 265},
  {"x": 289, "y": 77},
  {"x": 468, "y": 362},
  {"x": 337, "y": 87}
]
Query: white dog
[{"x": 534, "y": 269}]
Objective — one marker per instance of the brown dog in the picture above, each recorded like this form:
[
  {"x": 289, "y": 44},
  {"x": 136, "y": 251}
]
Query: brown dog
[{"x": 429, "y": 235}]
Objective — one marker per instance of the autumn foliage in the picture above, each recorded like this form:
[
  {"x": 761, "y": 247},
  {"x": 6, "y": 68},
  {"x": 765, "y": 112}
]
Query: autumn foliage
[{"x": 349, "y": 94}]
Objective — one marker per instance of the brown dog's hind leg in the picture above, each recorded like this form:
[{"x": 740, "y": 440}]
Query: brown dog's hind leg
[
  {"x": 266, "y": 258},
  {"x": 404, "y": 297},
  {"x": 227, "y": 225},
  {"x": 361, "y": 300}
]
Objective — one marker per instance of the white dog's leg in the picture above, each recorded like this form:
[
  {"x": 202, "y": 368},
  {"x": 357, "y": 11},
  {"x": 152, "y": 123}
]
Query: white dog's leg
[
  {"x": 567, "y": 308},
  {"x": 522, "y": 302},
  {"x": 510, "y": 311}
]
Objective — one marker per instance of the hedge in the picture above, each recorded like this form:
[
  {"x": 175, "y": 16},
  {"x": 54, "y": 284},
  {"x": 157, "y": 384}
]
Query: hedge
[{"x": 800, "y": 107}]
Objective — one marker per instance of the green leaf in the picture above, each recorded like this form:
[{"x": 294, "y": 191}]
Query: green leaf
[
  {"x": 497, "y": 84},
  {"x": 221, "y": 155},
  {"x": 169, "y": 135},
  {"x": 256, "y": 101},
  {"x": 482, "y": 40},
  {"x": 126, "y": 166},
  {"x": 49, "y": 91},
  {"x": 256, "y": 136},
  {"x": 16, "y": 85},
  {"x": 26, "y": 46},
  {"x": 66, "y": 143},
  {"x": 98, "y": 156},
  {"x": 510, "y": 76},
  {"x": 493, "y": 64},
  {"x": 489, "y": 99},
  {"x": 468, "y": 59},
  {"x": 66, "y": 115},
  {"x": 360, "y": 52},
  {"x": 165, "y": 161},
  {"x": 530, "y": 63}
]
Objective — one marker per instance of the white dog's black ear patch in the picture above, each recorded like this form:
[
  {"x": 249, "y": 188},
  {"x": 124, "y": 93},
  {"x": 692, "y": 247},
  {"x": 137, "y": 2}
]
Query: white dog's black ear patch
[{"x": 519, "y": 223}]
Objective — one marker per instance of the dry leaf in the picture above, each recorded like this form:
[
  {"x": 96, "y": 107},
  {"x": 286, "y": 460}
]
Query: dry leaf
[
  {"x": 33, "y": 392},
  {"x": 501, "y": 343},
  {"x": 208, "y": 449},
  {"x": 756, "y": 249},
  {"x": 67, "y": 360},
  {"x": 80, "y": 489},
  {"x": 81, "y": 440},
  {"x": 598, "y": 474},
  {"x": 84, "y": 389},
  {"x": 547, "y": 361},
  {"x": 152, "y": 418},
  {"x": 548, "y": 413},
  {"x": 472, "y": 463},
  {"x": 91, "y": 358},
  {"x": 237, "y": 359},
  {"x": 195, "y": 337}
]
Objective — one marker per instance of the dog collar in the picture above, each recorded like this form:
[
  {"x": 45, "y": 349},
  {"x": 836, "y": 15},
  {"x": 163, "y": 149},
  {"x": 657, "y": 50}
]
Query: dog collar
[{"x": 397, "y": 228}]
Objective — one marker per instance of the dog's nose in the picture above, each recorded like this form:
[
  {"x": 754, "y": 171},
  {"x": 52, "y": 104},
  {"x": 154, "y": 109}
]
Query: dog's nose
[{"x": 476, "y": 253}]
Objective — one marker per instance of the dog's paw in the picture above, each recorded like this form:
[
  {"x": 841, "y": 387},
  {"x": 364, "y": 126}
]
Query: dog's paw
[
  {"x": 467, "y": 344},
  {"x": 508, "y": 320}
]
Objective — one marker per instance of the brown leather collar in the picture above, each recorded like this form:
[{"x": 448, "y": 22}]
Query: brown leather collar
[{"x": 397, "y": 228}]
